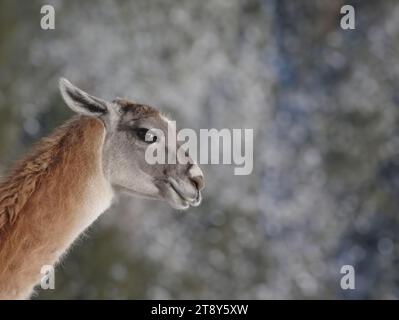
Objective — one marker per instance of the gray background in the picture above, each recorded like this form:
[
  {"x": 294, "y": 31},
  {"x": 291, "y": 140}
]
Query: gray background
[{"x": 323, "y": 103}]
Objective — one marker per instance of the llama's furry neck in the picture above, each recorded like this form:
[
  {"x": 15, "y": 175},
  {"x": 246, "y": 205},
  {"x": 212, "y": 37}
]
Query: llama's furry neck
[{"x": 48, "y": 200}]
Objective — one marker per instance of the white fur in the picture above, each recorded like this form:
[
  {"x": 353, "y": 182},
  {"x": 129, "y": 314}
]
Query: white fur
[{"x": 195, "y": 171}]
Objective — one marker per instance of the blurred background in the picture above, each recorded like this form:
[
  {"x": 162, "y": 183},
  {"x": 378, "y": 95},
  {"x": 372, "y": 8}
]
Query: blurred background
[{"x": 323, "y": 103}]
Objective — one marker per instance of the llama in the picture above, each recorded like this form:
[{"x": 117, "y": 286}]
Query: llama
[{"x": 69, "y": 180}]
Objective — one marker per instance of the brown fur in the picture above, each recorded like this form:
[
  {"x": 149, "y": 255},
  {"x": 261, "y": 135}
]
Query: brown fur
[{"x": 39, "y": 202}]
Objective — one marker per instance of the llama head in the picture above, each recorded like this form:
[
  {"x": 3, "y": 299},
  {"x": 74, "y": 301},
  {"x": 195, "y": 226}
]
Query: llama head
[{"x": 130, "y": 129}]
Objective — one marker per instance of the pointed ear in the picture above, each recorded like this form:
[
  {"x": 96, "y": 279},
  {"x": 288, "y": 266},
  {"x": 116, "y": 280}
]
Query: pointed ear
[{"x": 80, "y": 101}]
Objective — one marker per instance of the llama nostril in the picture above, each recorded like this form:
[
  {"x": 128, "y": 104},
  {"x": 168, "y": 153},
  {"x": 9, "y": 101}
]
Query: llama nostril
[{"x": 198, "y": 181}]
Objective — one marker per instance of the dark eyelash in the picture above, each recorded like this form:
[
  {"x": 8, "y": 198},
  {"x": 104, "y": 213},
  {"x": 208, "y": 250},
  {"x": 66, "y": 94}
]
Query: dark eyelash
[{"x": 141, "y": 134}]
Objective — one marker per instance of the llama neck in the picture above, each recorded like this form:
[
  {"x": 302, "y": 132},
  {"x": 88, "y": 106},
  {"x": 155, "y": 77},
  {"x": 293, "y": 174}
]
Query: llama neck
[{"x": 70, "y": 192}]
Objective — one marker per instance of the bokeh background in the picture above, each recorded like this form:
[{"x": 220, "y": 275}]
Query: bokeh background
[{"x": 323, "y": 103}]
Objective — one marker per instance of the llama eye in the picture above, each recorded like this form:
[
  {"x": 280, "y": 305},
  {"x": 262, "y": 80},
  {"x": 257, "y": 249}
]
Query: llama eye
[{"x": 146, "y": 135}]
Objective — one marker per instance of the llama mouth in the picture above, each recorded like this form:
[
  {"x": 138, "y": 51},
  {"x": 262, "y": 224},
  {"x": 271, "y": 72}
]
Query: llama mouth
[{"x": 186, "y": 200}]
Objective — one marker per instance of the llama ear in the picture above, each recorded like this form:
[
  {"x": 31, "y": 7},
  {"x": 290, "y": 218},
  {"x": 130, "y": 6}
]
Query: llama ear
[{"x": 80, "y": 101}]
